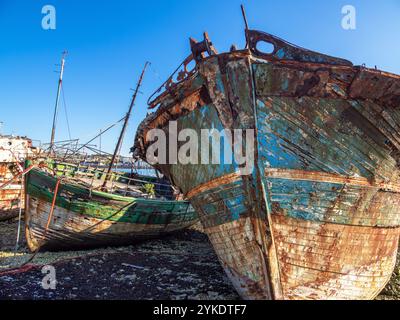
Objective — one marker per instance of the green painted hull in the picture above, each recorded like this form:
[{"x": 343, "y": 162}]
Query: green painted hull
[{"x": 85, "y": 218}]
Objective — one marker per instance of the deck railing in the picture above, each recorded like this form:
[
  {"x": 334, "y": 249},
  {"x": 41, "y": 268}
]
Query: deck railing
[{"x": 122, "y": 183}]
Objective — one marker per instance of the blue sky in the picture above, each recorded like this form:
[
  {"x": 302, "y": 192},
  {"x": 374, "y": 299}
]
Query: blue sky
[{"x": 109, "y": 41}]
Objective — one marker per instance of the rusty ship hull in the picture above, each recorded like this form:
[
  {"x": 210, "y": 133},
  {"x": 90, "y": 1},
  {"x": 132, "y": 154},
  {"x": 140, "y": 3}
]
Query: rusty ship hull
[{"x": 319, "y": 215}]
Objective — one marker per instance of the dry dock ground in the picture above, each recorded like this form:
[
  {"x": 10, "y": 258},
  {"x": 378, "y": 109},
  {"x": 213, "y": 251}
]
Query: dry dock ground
[{"x": 181, "y": 266}]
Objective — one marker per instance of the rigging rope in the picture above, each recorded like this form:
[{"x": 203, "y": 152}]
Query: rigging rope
[
  {"x": 156, "y": 73},
  {"x": 101, "y": 133},
  {"x": 66, "y": 113}
]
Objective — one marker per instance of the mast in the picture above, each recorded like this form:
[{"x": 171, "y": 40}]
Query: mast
[
  {"x": 121, "y": 136},
  {"x": 246, "y": 25},
  {"x": 53, "y": 130},
  {"x": 101, "y": 132}
]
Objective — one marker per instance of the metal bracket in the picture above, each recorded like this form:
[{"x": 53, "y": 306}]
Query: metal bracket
[
  {"x": 199, "y": 48},
  {"x": 286, "y": 51}
]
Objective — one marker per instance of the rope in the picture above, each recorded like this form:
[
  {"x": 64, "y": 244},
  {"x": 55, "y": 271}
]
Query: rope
[
  {"x": 156, "y": 73},
  {"x": 65, "y": 110},
  {"x": 102, "y": 132},
  {"x": 21, "y": 269}
]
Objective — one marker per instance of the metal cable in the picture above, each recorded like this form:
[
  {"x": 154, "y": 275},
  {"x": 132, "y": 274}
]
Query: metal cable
[{"x": 66, "y": 113}]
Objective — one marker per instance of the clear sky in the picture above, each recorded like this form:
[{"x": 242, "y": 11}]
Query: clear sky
[{"x": 109, "y": 42}]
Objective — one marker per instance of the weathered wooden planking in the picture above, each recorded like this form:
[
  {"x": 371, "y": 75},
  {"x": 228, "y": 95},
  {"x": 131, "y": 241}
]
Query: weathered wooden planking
[
  {"x": 335, "y": 202},
  {"x": 69, "y": 229},
  {"x": 338, "y": 256},
  {"x": 333, "y": 261}
]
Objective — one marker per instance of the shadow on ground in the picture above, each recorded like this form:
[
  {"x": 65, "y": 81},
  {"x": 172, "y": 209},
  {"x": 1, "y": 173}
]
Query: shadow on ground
[
  {"x": 177, "y": 267},
  {"x": 181, "y": 266}
]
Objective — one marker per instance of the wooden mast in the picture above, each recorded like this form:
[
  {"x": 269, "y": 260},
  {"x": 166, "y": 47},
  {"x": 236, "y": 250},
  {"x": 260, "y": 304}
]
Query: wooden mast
[
  {"x": 121, "y": 136},
  {"x": 53, "y": 130}
]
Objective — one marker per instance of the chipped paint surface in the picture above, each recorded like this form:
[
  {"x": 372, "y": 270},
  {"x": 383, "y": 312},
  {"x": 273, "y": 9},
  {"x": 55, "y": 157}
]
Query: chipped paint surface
[
  {"x": 326, "y": 185},
  {"x": 333, "y": 261},
  {"x": 88, "y": 219}
]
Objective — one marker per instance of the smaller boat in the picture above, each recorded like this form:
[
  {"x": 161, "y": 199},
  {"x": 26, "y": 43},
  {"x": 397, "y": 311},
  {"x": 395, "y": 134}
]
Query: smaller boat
[
  {"x": 65, "y": 209},
  {"x": 13, "y": 152},
  {"x": 69, "y": 205}
]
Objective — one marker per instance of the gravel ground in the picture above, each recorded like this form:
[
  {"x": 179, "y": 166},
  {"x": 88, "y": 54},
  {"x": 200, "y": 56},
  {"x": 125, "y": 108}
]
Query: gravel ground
[
  {"x": 177, "y": 267},
  {"x": 181, "y": 266}
]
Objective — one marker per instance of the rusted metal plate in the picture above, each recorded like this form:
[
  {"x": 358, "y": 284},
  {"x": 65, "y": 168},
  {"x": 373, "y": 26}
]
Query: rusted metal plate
[{"x": 326, "y": 184}]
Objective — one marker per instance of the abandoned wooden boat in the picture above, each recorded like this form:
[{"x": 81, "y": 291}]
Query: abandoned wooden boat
[
  {"x": 72, "y": 205},
  {"x": 318, "y": 216},
  {"x": 13, "y": 152},
  {"x": 65, "y": 209}
]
